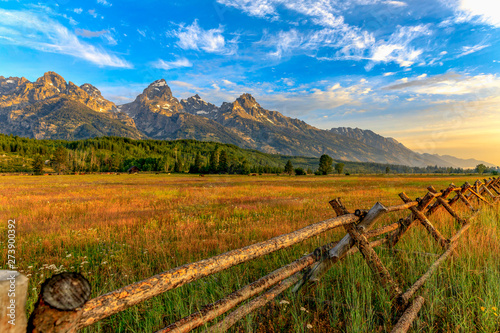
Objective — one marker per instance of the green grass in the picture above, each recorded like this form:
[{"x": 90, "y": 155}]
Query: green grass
[{"x": 117, "y": 230}]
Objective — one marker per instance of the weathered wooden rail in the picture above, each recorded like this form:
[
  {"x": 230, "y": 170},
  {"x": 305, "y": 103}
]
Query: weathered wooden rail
[{"x": 63, "y": 304}]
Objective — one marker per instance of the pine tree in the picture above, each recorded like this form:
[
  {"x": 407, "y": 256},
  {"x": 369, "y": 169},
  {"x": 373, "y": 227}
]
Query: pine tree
[
  {"x": 214, "y": 161},
  {"x": 223, "y": 163},
  {"x": 37, "y": 165},
  {"x": 289, "y": 167},
  {"x": 60, "y": 159},
  {"x": 178, "y": 165},
  {"x": 339, "y": 167},
  {"x": 325, "y": 165}
]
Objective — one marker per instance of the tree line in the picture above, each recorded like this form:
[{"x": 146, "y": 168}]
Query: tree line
[{"x": 117, "y": 154}]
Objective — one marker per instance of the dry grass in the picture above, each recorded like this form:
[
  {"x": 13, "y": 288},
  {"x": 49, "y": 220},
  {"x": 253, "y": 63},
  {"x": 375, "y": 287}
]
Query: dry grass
[{"x": 118, "y": 229}]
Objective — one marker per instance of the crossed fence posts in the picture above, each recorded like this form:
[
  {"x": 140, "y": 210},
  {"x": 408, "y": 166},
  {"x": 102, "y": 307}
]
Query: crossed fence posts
[{"x": 64, "y": 305}]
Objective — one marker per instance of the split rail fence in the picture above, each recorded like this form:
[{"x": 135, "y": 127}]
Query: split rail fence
[{"x": 64, "y": 305}]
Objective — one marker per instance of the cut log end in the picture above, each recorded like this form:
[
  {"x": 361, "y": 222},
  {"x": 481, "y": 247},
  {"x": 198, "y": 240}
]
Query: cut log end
[{"x": 66, "y": 291}]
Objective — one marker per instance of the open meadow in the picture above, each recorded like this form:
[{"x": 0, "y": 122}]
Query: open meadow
[{"x": 119, "y": 229}]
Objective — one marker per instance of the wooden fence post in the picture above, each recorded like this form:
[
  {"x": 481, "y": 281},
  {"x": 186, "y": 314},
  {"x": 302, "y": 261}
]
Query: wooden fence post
[
  {"x": 342, "y": 247},
  {"x": 13, "y": 291},
  {"x": 57, "y": 309}
]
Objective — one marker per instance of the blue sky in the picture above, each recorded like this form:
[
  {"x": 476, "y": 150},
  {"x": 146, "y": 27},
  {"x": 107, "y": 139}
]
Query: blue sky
[{"x": 424, "y": 72}]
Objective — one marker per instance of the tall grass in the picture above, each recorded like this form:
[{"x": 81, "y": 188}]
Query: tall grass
[{"x": 116, "y": 230}]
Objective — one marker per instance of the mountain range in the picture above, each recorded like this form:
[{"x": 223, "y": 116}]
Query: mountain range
[{"x": 51, "y": 108}]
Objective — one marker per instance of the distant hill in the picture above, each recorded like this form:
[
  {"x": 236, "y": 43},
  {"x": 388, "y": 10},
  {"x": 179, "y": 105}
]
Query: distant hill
[{"x": 404, "y": 155}]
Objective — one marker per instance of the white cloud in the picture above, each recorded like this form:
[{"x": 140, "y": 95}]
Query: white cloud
[
  {"x": 228, "y": 83},
  {"x": 193, "y": 37},
  {"x": 167, "y": 65},
  {"x": 104, "y": 3},
  {"x": 397, "y": 3},
  {"x": 78, "y": 10},
  {"x": 398, "y": 47},
  {"x": 285, "y": 42},
  {"x": 452, "y": 84},
  {"x": 92, "y": 12},
  {"x": 486, "y": 11},
  {"x": 471, "y": 49},
  {"x": 351, "y": 42},
  {"x": 141, "y": 32},
  {"x": 40, "y": 32},
  {"x": 258, "y": 8}
]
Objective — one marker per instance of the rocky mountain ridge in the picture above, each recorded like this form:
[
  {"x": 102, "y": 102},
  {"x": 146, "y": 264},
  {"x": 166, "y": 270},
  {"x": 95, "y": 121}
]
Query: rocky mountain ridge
[{"x": 52, "y": 108}]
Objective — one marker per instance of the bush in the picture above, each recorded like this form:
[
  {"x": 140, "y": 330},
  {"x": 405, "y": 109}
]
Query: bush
[{"x": 300, "y": 172}]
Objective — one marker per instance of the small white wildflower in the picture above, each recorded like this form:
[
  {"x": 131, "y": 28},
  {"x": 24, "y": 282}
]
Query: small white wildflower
[
  {"x": 104, "y": 263},
  {"x": 284, "y": 302},
  {"x": 30, "y": 266},
  {"x": 69, "y": 255},
  {"x": 309, "y": 326}
]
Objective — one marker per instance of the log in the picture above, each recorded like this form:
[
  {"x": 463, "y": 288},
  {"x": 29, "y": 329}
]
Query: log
[
  {"x": 13, "y": 292},
  {"x": 223, "y": 305},
  {"x": 372, "y": 259},
  {"x": 404, "y": 323},
  {"x": 254, "y": 304},
  {"x": 495, "y": 190},
  {"x": 450, "y": 210},
  {"x": 59, "y": 304},
  {"x": 485, "y": 189},
  {"x": 382, "y": 230},
  {"x": 425, "y": 222},
  {"x": 405, "y": 224},
  {"x": 340, "y": 250},
  {"x": 467, "y": 203},
  {"x": 480, "y": 197},
  {"x": 266, "y": 297},
  {"x": 402, "y": 207},
  {"x": 437, "y": 204},
  {"x": 123, "y": 298}
]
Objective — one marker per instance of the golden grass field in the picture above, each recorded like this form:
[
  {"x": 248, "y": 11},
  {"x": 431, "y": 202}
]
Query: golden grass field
[{"x": 118, "y": 229}]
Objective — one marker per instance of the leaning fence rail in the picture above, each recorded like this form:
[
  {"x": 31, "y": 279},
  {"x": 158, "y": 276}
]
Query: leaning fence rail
[{"x": 63, "y": 304}]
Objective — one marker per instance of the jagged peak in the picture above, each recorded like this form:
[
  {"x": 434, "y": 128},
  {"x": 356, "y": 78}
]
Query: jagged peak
[
  {"x": 51, "y": 78},
  {"x": 88, "y": 86},
  {"x": 158, "y": 89},
  {"x": 247, "y": 101},
  {"x": 91, "y": 90},
  {"x": 159, "y": 83}
]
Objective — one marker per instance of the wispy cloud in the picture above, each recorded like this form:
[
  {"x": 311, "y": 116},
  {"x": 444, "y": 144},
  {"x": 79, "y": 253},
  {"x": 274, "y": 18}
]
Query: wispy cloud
[
  {"x": 471, "y": 49},
  {"x": 398, "y": 46},
  {"x": 193, "y": 37},
  {"x": 350, "y": 43},
  {"x": 167, "y": 65},
  {"x": 90, "y": 34},
  {"x": 104, "y": 3},
  {"x": 347, "y": 42},
  {"x": 451, "y": 84},
  {"x": 258, "y": 8},
  {"x": 104, "y": 34},
  {"x": 40, "y": 32}
]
